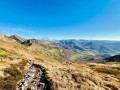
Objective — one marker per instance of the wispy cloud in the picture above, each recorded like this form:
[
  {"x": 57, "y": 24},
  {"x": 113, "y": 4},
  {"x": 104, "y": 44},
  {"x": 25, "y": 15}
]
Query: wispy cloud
[{"x": 16, "y": 29}]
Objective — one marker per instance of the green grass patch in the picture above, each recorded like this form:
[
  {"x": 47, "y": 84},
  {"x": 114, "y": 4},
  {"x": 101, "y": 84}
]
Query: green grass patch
[
  {"x": 82, "y": 54},
  {"x": 56, "y": 52},
  {"x": 3, "y": 55},
  {"x": 74, "y": 57}
]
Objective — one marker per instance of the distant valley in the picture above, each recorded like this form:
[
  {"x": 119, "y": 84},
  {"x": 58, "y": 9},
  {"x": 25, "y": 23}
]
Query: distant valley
[
  {"x": 77, "y": 50},
  {"x": 91, "y": 48}
]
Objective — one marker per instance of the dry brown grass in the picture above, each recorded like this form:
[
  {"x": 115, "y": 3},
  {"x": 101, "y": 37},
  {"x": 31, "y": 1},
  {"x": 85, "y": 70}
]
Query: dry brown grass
[{"x": 64, "y": 75}]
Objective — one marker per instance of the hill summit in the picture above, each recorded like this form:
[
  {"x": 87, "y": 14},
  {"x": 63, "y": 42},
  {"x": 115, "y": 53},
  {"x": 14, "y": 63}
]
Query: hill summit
[{"x": 18, "y": 38}]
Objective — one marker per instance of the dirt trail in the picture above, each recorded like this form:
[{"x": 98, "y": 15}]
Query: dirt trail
[{"x": 34, "y": 80}]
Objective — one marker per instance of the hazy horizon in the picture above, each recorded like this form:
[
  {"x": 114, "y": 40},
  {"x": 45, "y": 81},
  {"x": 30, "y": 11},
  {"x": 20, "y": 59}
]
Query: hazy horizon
[
  {"x": 61, "y": 19},
  {"x": 46, "y": 38}
]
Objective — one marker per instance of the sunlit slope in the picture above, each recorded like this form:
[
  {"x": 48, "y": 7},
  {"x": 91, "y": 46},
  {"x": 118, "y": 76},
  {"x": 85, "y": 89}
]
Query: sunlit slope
[
  {"x": 14, "y": 59},
  {"x": 62, "y": 74}
]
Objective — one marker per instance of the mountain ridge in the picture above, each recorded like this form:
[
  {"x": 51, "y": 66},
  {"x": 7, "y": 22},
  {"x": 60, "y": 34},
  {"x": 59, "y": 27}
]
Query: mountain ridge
[
  {"x": 72, "y": 47},
  {"x": 18, "y": 38}
]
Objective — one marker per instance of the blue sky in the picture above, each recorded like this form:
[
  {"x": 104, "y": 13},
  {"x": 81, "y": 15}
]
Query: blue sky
[{"x": 61, "y": 19}]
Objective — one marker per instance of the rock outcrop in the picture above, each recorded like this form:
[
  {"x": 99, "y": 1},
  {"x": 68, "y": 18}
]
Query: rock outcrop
[
  {"x": 27, "y": 42},
  {"x": 2, "y": 37},
  {"x": 33, "y": 80}
]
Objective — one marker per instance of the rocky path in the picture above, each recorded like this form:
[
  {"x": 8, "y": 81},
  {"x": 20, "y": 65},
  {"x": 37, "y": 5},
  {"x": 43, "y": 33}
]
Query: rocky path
[{"x": 33, "y": 80}]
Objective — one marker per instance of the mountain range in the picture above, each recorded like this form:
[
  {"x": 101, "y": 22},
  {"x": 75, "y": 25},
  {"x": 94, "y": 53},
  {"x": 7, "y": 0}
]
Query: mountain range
[
  {"x": 78, "y": 50},
  {"x": 98, "y": 48},
  {"x": 58, "y": 65}
]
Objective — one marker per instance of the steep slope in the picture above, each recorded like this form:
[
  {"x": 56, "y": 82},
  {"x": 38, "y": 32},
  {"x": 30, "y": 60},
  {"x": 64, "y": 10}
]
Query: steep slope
[
  {"x": 14, "y": 60},
  {"x": 18, "y": 38}
]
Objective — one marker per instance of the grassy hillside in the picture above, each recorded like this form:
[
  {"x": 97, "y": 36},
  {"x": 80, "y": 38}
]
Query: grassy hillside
[
  {"x": 82, "y": 54},
  {"x": 63, "y": 74}
]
